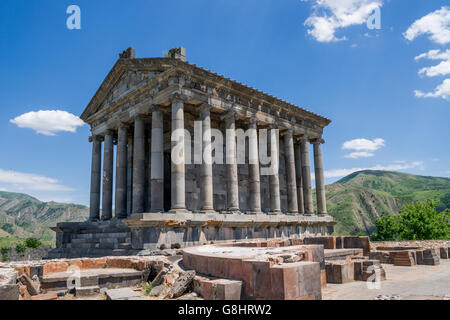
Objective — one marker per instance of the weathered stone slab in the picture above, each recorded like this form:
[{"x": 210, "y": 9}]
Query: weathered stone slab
[
  {"x": 87, "y": 291},
  {"x": 9, "y": 292},
  {"x": 182, "y": 283},
  {"x": 46, "y": 296},
  {"x": 121, "y": 294},
  {"x": 26, "y": 281}
]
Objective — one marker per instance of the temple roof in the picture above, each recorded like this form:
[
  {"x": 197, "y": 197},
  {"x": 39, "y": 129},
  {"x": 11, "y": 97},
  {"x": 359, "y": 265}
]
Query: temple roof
[{"x": 126, "y": 63}]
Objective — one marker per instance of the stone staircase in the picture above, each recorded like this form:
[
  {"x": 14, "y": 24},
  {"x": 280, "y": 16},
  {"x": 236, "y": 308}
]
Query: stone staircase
[{"x": 96, "y": 240}]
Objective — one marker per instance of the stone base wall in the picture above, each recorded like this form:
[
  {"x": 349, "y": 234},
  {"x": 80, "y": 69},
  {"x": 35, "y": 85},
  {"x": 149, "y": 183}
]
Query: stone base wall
[{"x": 173, "y": 231}]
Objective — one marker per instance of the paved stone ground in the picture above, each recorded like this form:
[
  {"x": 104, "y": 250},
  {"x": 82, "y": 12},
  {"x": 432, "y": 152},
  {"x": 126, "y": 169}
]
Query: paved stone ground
[{"x": 417, "y": 282}]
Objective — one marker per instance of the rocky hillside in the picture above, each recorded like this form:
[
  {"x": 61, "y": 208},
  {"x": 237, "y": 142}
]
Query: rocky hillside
[
  {"x": 357, "y": 200},
  {"x": 25, "y": 216}
]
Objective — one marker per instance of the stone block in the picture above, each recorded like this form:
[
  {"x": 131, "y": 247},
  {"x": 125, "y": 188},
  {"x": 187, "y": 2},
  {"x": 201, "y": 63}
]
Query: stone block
[
  {"x": 444, "y": 253},
  {"x": 309, "y": 280},
  {"x": 9, "y": 292},
  {"x": 121, "y": 294},
  {"x": 363, "y": 269},
  {"x": 430, "y": 257},
  {"x": 323, "y": 279},
  {"x": 46, "y": 296},
  {"x": 403, "y": 258},
  {"x": 87, "y": 291},
  {"x": 26, "y": 281},
  {"x": 262, "y": 284},
  {"x": 419, "y": 256},
  {"x": 181, "y": 284},
  {"x": 327, "y": 242},
  {"x": 340, "y": 242},
  {"x": 228, "y": 289},
  {"x": 358, "y": 242},
  {"x": 285, "y": 282},
  {"x": 339, "y": 271}
]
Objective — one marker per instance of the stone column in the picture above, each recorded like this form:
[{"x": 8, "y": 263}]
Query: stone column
[
  {"x": 178, "y": 180},
  {"x": 206, "y": 178},
  {"x": 306, "y": 173},
  {"x": 108, "y": 171},
  {"x": 231, "y": 164},
  {"x": 290, "y": 172},
  {"x": 94, "y": 207},
  {"x": 274, "y": 178},
  {"x": 253, "y": 169},
  {"x": 298, "y": 172},
  {"x": 130, "y": 174},
  {"x": 157, "y": 163},
  {"x": 320, "y": 184},
  {"x": 121, "y": 172},
  {"x": 138, "y": 200}
]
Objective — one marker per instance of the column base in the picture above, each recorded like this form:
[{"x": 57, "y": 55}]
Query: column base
[
  {"x": 275, "y": 213},
  {"x": 180, "y": 210},
  {"x": 205, "y": 211},
  {"x": 254, "y": 212}
]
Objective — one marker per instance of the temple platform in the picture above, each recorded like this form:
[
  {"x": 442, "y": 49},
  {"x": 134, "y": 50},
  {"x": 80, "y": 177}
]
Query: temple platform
[{"x": 159, "y": 231}]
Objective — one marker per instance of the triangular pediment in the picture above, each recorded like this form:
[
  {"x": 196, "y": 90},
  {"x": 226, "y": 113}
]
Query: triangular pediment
[
  {"x": 130, "y": 80},
  {"x": 124, "y": 77}
]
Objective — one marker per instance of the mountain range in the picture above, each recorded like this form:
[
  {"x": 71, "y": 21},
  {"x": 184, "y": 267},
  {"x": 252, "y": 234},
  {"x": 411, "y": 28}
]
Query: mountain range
[{"x": 357, "y": 200}]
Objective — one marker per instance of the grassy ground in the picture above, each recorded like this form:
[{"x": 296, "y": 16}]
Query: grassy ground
[{"x": 9, "y": 242}]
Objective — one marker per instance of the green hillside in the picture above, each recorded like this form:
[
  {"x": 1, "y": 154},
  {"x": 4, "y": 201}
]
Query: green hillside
[
  {"x": 357, "y": 200},
  {"x": 24, "y": 216}
]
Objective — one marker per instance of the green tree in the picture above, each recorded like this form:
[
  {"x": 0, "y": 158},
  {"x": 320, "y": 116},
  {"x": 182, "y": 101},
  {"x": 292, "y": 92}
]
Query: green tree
[
  {"x": 419, "y": 221},
  {"x": 388, "y": 228},
  {"x": 422, "y": 222}
]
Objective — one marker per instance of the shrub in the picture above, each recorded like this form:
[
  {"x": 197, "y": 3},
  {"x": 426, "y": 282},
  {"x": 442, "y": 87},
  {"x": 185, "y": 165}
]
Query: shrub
[
  {"x": 32, "y": 243},
  {"x": 21, "y": 248},
  {"x": 5, "y": 254}
]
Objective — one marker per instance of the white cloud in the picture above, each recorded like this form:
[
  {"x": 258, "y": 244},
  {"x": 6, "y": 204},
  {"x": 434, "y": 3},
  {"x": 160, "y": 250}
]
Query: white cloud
[
  {"x": 435, "y": 24},
  {"x": 441, "y": 69},
  {"x": 331, "y": 15},
  {"x": 28, "y": 181},
  {"x": 442, "y": 91},
  {"x": 364, "y": 144},
  {"x": 361, "y": 154},
  {"x": 48, "y": 122},
  {"x": 338, "y": 173}
]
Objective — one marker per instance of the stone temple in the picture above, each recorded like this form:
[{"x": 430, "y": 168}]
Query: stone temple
[{"x": 141, "y": 199}]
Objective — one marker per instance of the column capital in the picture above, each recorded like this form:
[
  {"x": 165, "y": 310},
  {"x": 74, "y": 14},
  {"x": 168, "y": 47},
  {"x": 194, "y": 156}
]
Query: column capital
[
  {"x": 253, "y": 121},
  {"x": 317, "y": 141},
  {"x": 123, "y": 125},
  {"x": 205, "y": 109},
  {"x": 154, "y": 108},
  {"x": 205, "y": 105},
  {"x": 287, "y": 132},
  {"x": 141, "y": 116},
  {"x": 109, "y": 132},
  {"x": 177, "y": 97},
  {"x": 96, "y": 138},
  {"x": 231, "y": 115},
  {"x": 303, "y": 138}
]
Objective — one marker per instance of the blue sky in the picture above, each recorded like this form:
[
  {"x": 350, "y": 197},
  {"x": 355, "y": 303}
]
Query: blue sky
[{"x": 318, "y": 55}]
